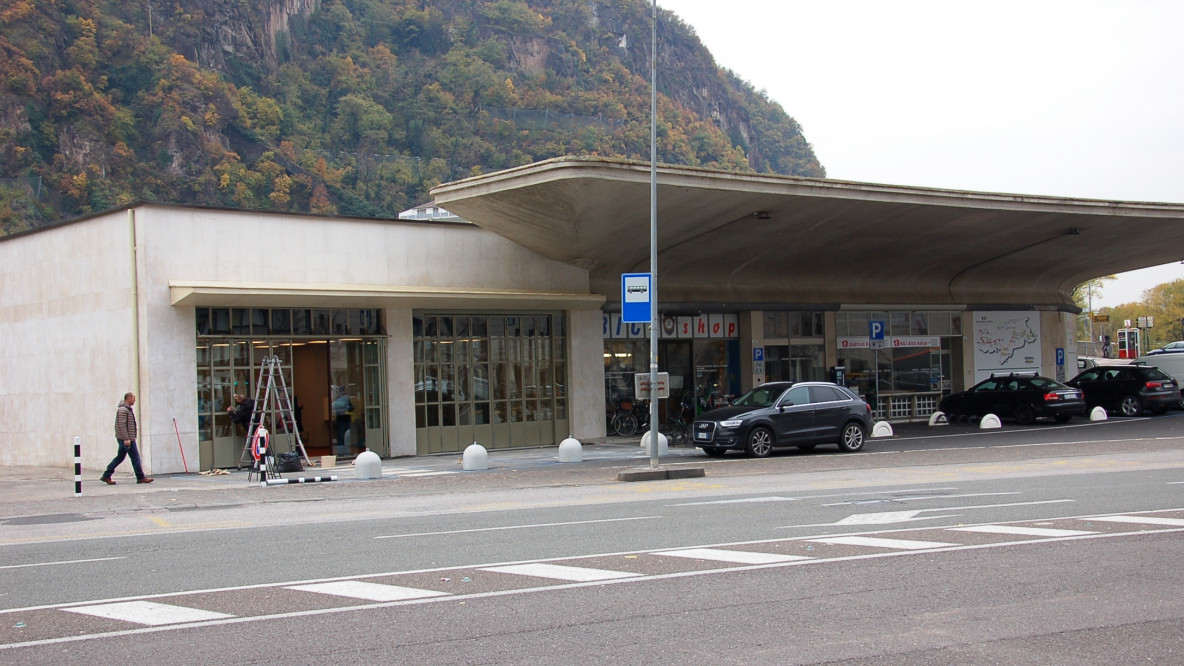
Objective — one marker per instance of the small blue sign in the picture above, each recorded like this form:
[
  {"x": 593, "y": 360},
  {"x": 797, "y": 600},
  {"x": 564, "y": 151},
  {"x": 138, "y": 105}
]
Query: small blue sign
[
  {"x": 758, "y": 353},
  {"x": 1060, "y": 355},
  {"x": 875, "y": 330},
  {"x": 635, "y": 298}
]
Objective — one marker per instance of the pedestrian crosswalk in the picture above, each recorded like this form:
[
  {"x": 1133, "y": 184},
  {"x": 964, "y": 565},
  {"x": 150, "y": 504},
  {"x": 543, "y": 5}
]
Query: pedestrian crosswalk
[{"x": 395, "y": 588}]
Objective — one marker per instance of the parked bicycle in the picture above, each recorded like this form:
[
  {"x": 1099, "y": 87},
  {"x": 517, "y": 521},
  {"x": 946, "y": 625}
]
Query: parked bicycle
[
  {"x": 677, "y": 427},
  {"x": 623, "y": 423},
  {"x": 630, "y": 418}
]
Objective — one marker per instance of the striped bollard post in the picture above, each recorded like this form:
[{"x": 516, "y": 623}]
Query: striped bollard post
[{"x": 78, "y": 467}]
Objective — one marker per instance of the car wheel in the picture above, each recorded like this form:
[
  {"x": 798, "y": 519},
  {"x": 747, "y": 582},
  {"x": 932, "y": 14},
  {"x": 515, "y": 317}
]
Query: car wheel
[
  {"x": 1129, "y": 406},
  {"x": 851, "y": 439},
  {"x": 760, "y": 443},
  {"x": 713, "y": 452},
  {"x": 1024, "y": 414}
]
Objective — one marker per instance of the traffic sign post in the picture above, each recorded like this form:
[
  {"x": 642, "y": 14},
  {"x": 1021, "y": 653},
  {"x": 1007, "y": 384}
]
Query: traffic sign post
[{"x": 875, "y": 334}]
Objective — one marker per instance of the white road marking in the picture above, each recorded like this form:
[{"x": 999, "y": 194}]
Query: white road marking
[
  {"x": 913, "y": 498},
  {"x": 1145, "y": 520},
  {"x": 516, "y": 527},
  {"x": 882, "y": 518},
  {"x": 232, "y": 620},
  {"x": 148, "y": 612},
  {"x": 50, "y": 564},
  {"x": 777, "y": 498},
  {"x": 737, "y": 556},
  {"x": 562, "y": 572},
  {"x": 877, "y": 542},
  {"x": 745, "y": 500},
  {"x": 1021, "y": 531},
  {"x": 359, "y": 589}
]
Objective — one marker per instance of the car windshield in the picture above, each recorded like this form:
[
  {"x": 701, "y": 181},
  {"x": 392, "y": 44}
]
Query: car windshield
[{"x": 761, "y": 396}]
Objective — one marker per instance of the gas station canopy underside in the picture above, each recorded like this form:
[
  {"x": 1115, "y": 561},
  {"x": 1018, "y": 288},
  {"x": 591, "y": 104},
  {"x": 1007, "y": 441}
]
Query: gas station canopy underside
[{"x": 744, "y": 240}]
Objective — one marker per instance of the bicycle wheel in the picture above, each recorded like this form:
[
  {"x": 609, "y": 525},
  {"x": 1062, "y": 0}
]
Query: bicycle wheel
[{"x": 625, "y": 425}]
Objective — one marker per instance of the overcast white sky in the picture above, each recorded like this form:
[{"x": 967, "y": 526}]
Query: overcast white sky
[{"x": 1078, "y": 99}]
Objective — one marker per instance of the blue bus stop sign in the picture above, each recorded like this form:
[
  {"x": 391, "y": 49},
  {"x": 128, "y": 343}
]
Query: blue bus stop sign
[{"x": 635, "y": 298}]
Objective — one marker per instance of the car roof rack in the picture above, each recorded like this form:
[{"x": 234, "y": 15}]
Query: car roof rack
[{"x": 1022, "y": 373}]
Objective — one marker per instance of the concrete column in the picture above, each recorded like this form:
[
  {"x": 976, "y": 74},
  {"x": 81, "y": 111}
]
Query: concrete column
[
  {"x": 400, "y": 382},
  {"x": 585, "y": 407},
  {"x": 751, "y": 332}
]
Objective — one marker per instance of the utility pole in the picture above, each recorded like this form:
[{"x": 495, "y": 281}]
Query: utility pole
[{"x": 655, "y": 325}]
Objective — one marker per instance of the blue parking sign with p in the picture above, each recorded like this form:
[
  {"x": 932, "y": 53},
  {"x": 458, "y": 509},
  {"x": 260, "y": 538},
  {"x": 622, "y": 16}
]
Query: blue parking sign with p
[{"x": 875, "y": 330}]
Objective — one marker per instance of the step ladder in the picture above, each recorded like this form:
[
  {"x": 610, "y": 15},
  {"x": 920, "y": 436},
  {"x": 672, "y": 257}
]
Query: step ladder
[{"x": 272, "y": 399}]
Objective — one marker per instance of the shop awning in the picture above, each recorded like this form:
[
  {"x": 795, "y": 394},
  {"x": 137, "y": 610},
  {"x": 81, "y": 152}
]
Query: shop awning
[
  {"x": 241, "y": 294},
  {"x": 730, "y": 239}
]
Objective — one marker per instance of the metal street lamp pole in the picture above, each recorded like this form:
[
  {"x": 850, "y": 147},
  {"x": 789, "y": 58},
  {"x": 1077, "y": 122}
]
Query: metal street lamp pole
[{"x": 654, "y": 323}]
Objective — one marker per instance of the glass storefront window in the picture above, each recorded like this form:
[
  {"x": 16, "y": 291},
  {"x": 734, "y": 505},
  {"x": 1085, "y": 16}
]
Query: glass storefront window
[{"x": 502, "y": 369}]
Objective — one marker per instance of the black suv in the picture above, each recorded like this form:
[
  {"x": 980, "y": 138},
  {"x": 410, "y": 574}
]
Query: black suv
[
  {"x": 1023, "y": 396},
  {"x": 1128, "y": 389},
  {"x": 782, "y": 414}
]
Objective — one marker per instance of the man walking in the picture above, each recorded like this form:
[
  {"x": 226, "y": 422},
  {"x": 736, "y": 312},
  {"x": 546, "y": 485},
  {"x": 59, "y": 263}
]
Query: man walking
[{"x": 125, "y": 433}]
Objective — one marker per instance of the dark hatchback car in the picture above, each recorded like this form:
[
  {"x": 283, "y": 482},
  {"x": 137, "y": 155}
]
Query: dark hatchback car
[
  {"x": 1128, "y": 389},
  {"x": 784, "y": 414},
  {"x": 1022, "y": 396}
]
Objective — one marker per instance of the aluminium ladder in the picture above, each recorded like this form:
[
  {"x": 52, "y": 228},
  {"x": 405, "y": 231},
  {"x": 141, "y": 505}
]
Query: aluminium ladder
[{"x": 277, "y": 401}]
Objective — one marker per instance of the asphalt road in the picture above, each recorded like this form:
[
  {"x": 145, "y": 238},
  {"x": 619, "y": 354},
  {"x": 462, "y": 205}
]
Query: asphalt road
[{"x": 1045, "y": 544}]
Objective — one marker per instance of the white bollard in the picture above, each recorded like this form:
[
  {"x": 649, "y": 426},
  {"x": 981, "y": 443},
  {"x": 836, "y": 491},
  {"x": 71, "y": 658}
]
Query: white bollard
[
  {"x": 475, "y": 458},
  {"x": 1098, "y": 414},
  {"x": 989, "y": 421},
  {"x": 663, "y": 443},
  {"x": 571, "y": 451},
  {"x": 882, "y": 429},
  {"x": 368, "y": 466},
  {"x": 939, "y": 418}
]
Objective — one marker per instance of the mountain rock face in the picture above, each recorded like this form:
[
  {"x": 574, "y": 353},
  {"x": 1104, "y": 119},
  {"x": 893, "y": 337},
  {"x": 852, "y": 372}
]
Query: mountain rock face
[{"x": 354, "y": 107}]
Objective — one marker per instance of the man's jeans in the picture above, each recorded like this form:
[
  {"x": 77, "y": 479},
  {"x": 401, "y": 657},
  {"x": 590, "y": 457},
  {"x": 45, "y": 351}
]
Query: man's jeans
[{"x": 125, "y": 452}]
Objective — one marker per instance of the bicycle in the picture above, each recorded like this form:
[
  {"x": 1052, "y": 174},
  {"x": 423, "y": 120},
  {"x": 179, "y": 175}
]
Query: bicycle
[
  {"x": 676, "y": 428},
  {"x": 623, "y": 422}
]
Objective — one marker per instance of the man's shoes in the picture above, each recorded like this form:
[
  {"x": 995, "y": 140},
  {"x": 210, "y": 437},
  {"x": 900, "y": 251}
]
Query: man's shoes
[
  {"x": 144, "y": 480},
  {"x": 107, "y": 480}
]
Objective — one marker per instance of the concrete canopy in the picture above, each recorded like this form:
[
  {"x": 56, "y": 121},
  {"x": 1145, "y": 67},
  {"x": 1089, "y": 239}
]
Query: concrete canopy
[{"x": 742, "y": 240}]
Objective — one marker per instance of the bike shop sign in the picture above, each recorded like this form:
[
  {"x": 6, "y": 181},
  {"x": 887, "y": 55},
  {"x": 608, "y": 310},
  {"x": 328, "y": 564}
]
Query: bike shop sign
[{"x": 641, "y": 386}]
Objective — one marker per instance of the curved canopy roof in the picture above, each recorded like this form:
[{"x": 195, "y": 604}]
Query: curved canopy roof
[{"x": 742, "y": 240}]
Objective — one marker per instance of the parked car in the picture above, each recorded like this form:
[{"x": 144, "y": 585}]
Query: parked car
[
  {"x": 1087, "y": 362},
  {"x": 1023, "y": 396},
  {"x": 1176, "y": 347},
  {"x": 1128, "y": 390},
  {"x": 785, "y": 414},
  {"x": 1171, "y": 364}
]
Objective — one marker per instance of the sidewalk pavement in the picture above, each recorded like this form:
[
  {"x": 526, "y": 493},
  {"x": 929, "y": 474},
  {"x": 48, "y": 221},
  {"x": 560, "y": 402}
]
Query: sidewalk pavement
[
  {"x": 47, "y": 490},
  {"x": 44, "y": 491}
]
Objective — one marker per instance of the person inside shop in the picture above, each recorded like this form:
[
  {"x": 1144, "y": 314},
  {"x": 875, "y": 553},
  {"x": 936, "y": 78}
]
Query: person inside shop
[
  {"x": 343, "y": 409},
  {"x": 241, "y": 411}
]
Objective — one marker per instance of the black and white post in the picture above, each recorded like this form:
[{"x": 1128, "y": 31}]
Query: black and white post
[{"x": 78, "y": 467}]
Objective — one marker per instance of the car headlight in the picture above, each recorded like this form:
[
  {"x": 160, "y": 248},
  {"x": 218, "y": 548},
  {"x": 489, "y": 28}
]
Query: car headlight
[{"x": 734, "y": 423}]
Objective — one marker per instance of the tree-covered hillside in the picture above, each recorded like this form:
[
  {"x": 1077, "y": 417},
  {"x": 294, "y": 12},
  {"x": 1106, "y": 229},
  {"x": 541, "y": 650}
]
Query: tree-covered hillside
[{"x": 356, "y": 107}]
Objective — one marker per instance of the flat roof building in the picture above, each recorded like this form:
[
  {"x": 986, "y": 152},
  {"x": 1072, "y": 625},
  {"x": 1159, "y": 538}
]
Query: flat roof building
[{"x": 506, "y": 330}]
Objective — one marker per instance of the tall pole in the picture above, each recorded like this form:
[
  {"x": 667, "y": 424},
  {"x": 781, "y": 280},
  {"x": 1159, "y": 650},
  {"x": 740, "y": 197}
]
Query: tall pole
[{"x": 655, "y": 325}]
